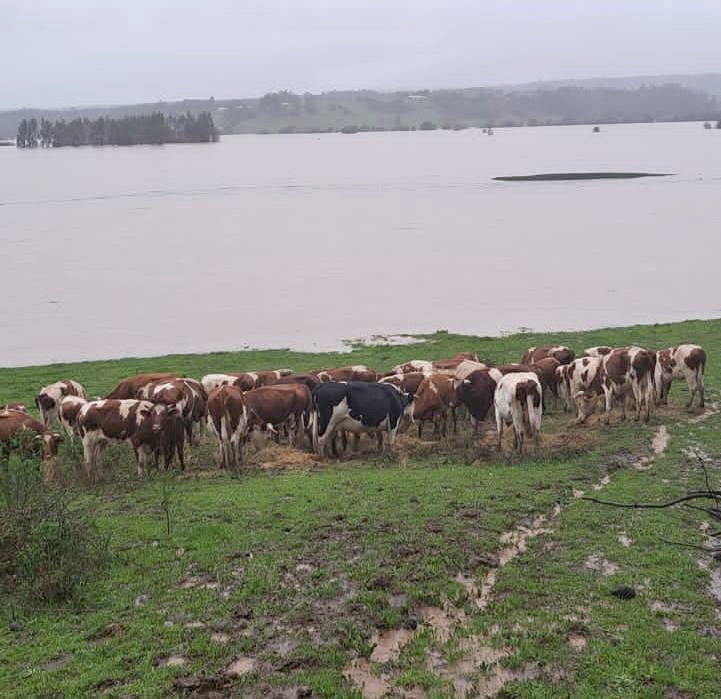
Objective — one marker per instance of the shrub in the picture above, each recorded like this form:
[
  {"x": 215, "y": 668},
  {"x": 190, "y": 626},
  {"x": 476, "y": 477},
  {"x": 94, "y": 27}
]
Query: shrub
[
  {"x": 48, "y": 551},
  {"x": 427, "y": 126}
]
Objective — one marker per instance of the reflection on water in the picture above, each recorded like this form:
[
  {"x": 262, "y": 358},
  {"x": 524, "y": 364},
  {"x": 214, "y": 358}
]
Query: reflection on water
[{"x": 303, "y": 240}]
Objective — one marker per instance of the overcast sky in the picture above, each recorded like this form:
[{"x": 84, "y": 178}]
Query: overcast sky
[{"x": 81, "y": 52}]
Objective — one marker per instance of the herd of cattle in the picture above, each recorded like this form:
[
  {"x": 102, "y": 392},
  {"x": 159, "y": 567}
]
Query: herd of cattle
[{"x": 157, "y": 412}]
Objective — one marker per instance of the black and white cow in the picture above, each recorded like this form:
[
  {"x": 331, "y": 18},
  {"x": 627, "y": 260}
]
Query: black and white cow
[{"x": 357, "y": 407}]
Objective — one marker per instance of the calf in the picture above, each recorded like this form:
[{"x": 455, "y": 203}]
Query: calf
[
  {"x": 562, "y": 353},
  {"x": 137, "y": 422},
  {"x": 70, "y": 407},
  {"x": 435, "y": 398},
  {"x": 49, "y": 397},
  {"x": 358, "y": 372},
  {"x": 188, "y": 395},
  {"x": 680, "y": 362},
  {"x": 597, "y": 351},
  {"x": 629, "y": 371},
  {"x": 128, "y": 388},
  {"x": 476, "y": 392},
  {"x": 22, "y": 431},
  {"x": 518, "y": 402},
  {"x": 584, "y": 375},
  {"x": 358, "y": 407},
  {"x": 287, "y": 405},
  {"x": 227, "y": 421}
]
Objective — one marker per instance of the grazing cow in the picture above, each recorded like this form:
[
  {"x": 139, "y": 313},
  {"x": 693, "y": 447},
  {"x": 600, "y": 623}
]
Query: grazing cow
[
  {"x": 248, "y": 380},
  {"x": 597, "y": 351},
  {"x": 514, "y": 368},
  {"x": 405, "y": 383},
  {"x": 518, "y": 402},
  {"x": 435, "y": 398},
  {"x": 476, "y": 392},
  {"x": 20, "y": 430},
  {"x": 227, "y": 421},
  {"x": 70, "y": 407},
  {"x": 359, "y": 372},
  {"x": 580, "y": 383},
  {"x": 310, "y": 380},
  {"x": 128, "y": 388},
  {"x": 561, "y": 352},
  {"x": 48, "y": 400},
  {"x": 629, "y": 371},
  {"x": 288, "y": 405},
  {"x": 680, "y": 362},
  {"x": 188, "y": 395},
  {"x": 140, "y": 423},
  {"x": 412, "y": 366},
  {"x": 358, "y": 407}
]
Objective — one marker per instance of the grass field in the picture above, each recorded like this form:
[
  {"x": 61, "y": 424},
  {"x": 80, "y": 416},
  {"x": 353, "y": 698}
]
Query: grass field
[{"x": 447, "y": 570}]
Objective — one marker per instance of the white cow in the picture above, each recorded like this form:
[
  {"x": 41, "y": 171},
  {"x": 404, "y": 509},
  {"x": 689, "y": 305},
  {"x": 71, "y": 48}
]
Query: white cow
[
  {"x": 681, "y": 362},
  {"x": 518, "y": 401}
]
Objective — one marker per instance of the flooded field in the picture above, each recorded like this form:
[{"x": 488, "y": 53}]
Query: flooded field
[{"x": 304, "y": 241}]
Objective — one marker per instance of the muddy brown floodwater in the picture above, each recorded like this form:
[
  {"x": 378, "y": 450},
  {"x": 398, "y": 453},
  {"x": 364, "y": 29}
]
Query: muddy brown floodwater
[{"x": 302, "y": 241}]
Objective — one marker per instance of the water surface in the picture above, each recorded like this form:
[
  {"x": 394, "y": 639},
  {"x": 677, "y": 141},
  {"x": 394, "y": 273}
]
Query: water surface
[{"x": 302, "y": 241}]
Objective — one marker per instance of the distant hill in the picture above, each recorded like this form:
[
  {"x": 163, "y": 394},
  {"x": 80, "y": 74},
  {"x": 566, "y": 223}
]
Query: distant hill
[{"x": 596, "y": 100}]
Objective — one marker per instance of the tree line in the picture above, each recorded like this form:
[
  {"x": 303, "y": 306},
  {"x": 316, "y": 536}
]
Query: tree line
[{"x": 153, "y": 128}]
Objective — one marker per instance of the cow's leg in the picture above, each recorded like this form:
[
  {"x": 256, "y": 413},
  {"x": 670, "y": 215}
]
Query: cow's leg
[
  {"x": 455, "y": 420},
  {"x": 138, "y": 463},
  {"x": 691, "y": 382},
  {"x": 88, "y": 454},
  {"x": 700, "y": 387},
  {"x": 379, "y": 440},
  {"x": 499, "y": 430},
  {"x": 420, "y": 429},
  {"x": 608, "y": 396},
  {"x": 355, "y": 443}
]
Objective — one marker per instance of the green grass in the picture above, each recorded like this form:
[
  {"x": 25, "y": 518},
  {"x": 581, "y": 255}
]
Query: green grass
[{"x": 305, "y": 564}]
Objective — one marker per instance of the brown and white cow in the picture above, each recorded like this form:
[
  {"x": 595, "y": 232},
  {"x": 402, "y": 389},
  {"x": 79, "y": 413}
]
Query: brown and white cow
[
  {"x": 248, "y": 380},
  {"x": 138, "y": 422},
  {"x": 310, "y": 380},
  {"x": 560, "y": 352},
  {"x": 413, "y": 365},
  {"x": 227, "y": 421},
  {"x": 452, "y": 363},
  {"x": 70, "y": 407},
  {"x": 435, "y": 398},
  {"x": 629, "y": 371},
  {"x": 358, "y": 372},
  {"x": 476, "y": 392},
  {"x": 128, "y": 388},
  {"x": 49, "y": 397},
  {"x": 518, "y": 401},
  {"x": 280, "y": 405},
  {"x": 188, "y": 395},
  {"x": 213, "y": 381},
  {"x": 15, "y": 406},
  {"x": 597, "y": 351},
  {"x": 405, "y": 383},
  {"x": 582, "y": 376},
  {"x": 467, "y": 367},
  {"x": 22, "y": 431},
  {"x": 680, "y": 362}
]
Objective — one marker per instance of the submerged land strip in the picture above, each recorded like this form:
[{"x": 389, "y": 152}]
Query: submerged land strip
[{"x": 556, "y": 176}]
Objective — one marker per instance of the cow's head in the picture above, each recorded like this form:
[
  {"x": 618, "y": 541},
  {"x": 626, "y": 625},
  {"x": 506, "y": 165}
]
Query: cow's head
[
  {"x": 586, "y": 403},
  {"x": 49, "y": 442}
]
